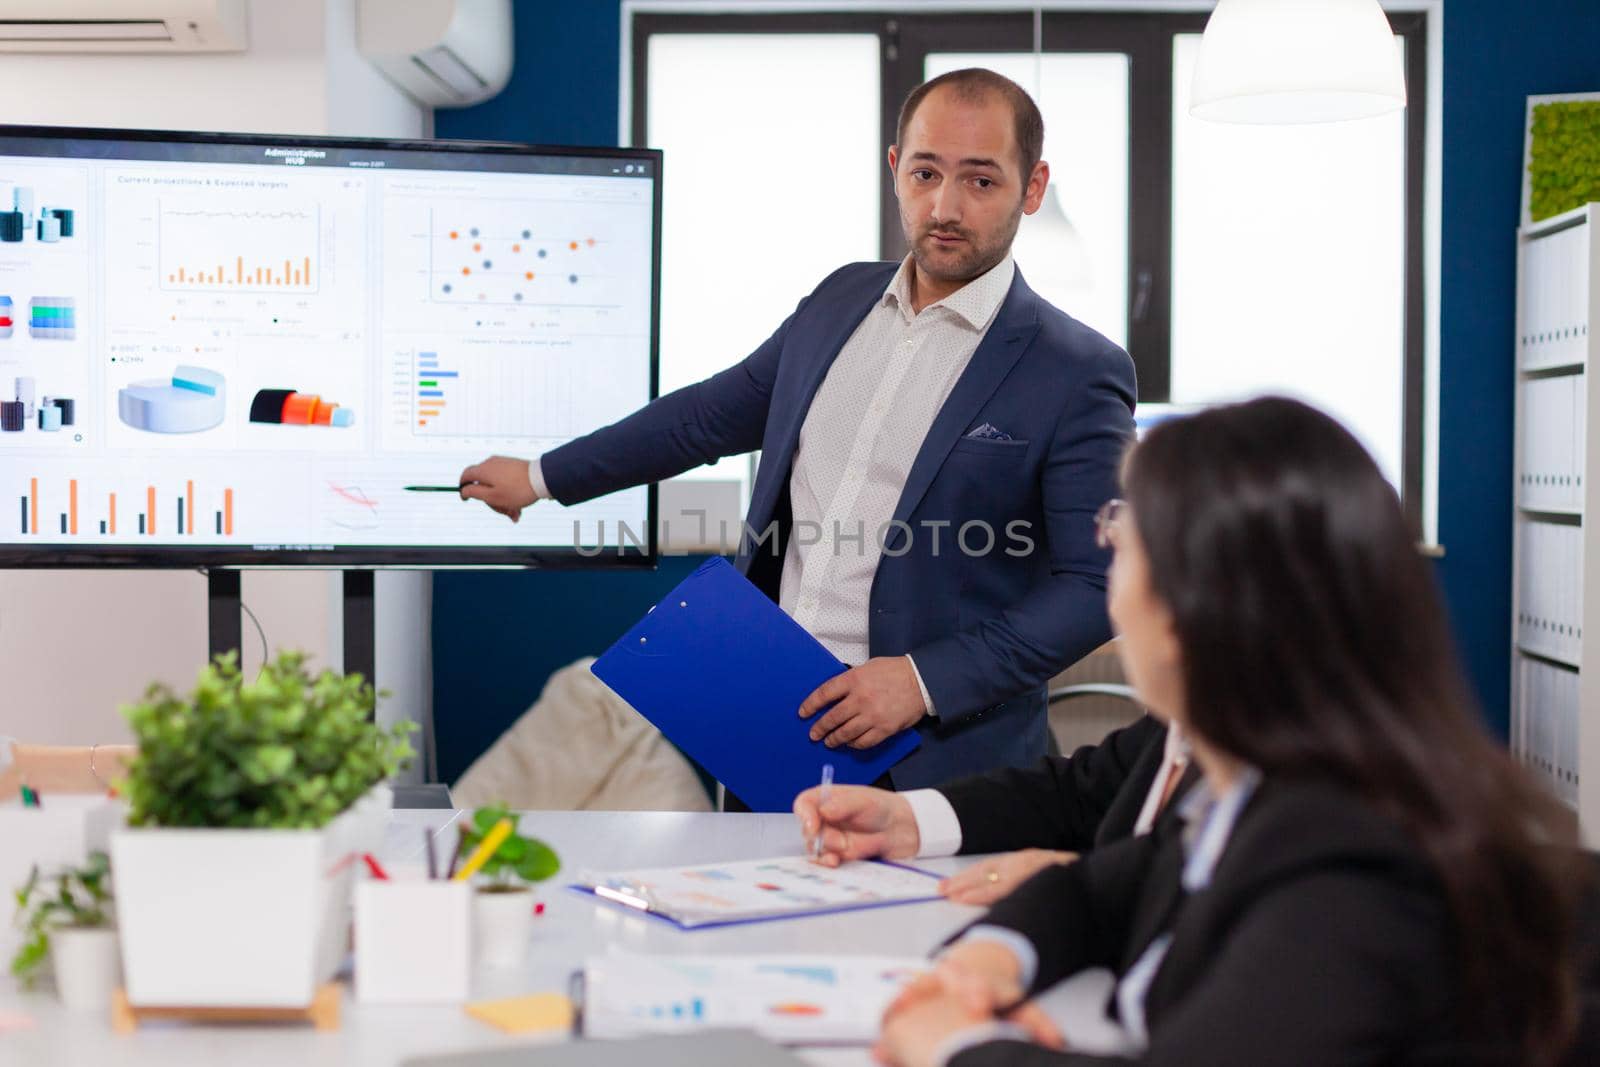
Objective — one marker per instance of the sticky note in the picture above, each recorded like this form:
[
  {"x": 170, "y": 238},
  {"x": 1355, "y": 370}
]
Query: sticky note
[{"x": 525, "y": 1015}]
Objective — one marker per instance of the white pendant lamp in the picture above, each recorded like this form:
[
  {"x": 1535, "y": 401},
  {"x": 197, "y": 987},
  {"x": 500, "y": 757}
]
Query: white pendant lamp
[
  {"x": 1063, "y": 253},
  {"x": 1053, "y": 246},
  {"x": 1297, "y": 61}
]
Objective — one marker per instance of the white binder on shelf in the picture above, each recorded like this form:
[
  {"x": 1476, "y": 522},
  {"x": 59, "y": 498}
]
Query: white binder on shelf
[
  {"x": 1551, "y": 440},
  {"x": 1549, "y": 618},
  {"x": 1553, "y": 303},
  {"x": 1546, "y": 729},
  {"x": 1558, "y": 285}
]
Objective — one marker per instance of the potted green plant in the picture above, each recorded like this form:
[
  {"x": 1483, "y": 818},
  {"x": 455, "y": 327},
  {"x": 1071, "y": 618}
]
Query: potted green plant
[
  {"x": 248, "y": 801},
  {"x": 65, "y": 917},
  {"x": 502, "y": 906}
]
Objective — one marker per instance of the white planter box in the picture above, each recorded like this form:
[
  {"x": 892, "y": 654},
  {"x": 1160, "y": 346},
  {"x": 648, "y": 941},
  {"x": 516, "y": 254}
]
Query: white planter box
[{"x": 244, "y": 918}]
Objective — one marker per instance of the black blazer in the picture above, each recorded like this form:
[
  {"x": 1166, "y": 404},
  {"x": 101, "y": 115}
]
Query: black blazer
[
  {"x": 1073, "y": 803},
  {"x": 1323, "y": 940}
]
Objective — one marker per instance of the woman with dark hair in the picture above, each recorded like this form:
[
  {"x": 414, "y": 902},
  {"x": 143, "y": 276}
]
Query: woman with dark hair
[{"x": 1364, "y": 877}]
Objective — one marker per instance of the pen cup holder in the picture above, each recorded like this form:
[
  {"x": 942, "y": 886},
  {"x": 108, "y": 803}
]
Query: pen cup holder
[{"x": 413, "y": 941}]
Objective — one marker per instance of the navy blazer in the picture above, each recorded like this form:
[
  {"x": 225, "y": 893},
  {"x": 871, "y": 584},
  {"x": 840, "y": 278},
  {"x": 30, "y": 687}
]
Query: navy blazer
[{"x": 987, "y": 630}]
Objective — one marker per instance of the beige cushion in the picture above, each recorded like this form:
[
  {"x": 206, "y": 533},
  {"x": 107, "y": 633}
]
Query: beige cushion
[{"x": 580, "y": 747}]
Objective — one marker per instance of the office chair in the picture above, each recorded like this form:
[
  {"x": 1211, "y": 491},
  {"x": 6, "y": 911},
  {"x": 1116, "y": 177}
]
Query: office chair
[{"x": 1061, "y": 695}]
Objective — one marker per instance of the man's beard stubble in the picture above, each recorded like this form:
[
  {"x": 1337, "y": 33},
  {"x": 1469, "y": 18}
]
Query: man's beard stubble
[{"x": 976, "y": 259}]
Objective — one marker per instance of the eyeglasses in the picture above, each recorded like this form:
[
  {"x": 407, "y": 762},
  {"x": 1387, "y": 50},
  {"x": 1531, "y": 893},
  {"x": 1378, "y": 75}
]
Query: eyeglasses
[{"x": 1106, "y": 520}]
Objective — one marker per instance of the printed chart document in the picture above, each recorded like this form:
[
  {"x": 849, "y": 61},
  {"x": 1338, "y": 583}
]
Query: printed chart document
[
  {"x": 753, "y": 890},
  {"x": 794, "y": 1000}
]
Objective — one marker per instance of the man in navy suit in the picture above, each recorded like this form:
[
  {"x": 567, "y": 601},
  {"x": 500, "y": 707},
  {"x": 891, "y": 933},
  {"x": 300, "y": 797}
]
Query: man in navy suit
[{"x": 935, "y": 442}]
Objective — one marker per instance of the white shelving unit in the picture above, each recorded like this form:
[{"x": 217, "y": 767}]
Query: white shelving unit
[{"x": 1555, "y": 673}]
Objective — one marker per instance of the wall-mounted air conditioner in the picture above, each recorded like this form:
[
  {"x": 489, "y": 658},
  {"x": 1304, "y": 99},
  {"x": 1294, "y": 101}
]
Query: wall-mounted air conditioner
[
  {"x": 444, "y": 53},
  {"x": 123, "y": 26}
]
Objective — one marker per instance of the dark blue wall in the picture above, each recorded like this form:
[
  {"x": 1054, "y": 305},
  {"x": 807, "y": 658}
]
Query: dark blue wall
[
  {"x": 497, "y": 636},
  {"x": 1496, "y": 53},
  {"x": 563, "y": 87}
]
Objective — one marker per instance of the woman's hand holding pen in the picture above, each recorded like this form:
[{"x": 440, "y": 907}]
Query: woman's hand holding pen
[{"x": 857, "y": 822}]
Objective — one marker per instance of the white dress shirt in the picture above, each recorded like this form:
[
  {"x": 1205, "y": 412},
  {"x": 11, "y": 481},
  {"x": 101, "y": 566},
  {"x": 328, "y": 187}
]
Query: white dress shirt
[
  {"x": 863, "y": 431},
  {"x": 861, "y": 435}
]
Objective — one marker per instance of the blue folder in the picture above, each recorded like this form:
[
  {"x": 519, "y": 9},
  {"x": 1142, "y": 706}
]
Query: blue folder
[{"x": 722, "y": 671}]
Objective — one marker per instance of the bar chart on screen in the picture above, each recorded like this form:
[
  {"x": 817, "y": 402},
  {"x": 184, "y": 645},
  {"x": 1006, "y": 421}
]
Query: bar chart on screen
[
  {"x": 239, "y": 249},
  {"x": 508, "y": 388},
  {"x": 173, "y": 510}
]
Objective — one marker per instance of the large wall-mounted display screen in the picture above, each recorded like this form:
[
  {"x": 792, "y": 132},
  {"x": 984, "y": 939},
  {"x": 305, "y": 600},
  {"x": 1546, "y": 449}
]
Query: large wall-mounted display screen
[{"x": 235, "y": 350}]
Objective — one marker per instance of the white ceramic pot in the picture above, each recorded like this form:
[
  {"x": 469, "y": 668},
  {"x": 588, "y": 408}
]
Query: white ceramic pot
[
  {"x": 502, "y": 922},
  {"x": 239, "y": 918},
  {"x": 87, "y": 966}
]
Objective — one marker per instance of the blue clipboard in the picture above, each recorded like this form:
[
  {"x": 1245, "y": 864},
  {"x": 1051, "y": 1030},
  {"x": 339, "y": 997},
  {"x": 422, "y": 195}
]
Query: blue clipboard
[{"x": 721, "y": 671}]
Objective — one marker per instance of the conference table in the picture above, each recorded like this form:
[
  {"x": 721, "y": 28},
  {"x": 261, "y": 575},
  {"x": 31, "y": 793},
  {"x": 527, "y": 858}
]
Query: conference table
[{"x": 574, "y": 926}]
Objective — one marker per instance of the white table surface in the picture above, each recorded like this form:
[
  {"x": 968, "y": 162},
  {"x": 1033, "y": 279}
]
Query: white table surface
[{"x": 574, "y": 926}]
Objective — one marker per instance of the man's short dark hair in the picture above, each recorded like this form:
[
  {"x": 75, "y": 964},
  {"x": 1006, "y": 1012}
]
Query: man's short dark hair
[{"x": 974, "y": 85}]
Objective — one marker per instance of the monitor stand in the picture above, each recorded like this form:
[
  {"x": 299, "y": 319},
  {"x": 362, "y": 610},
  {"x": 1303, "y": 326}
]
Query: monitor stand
[{"x": 360, "y": 620}]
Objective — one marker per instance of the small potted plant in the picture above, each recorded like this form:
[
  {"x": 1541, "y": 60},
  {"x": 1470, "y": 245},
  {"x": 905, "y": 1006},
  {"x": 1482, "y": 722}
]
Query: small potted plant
[
  {"x": 247, "y": 802},
  {"x": 502, "y": 907},
  {"x": 66, "y": 917}
]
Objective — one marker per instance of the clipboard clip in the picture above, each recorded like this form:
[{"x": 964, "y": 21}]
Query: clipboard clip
[{"x": 631, "y": 894}]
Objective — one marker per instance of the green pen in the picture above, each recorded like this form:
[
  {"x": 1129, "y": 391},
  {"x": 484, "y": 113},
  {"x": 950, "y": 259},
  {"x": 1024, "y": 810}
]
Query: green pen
[{"x": 438, "y": 488}]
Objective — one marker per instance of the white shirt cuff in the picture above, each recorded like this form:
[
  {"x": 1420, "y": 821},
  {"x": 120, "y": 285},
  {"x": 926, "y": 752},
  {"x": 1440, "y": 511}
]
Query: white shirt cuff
[
  {"x": 975, "y": 1035},
  {"x": 927, "y": 701},
  {"x": 938, "y": 829},
  {"x": 536, "y": 480},
  {"x": 1020, "y": 947}
]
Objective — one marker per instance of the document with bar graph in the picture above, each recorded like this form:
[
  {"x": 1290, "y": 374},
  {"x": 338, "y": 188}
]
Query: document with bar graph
[{"x": 792, "y": 999}]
